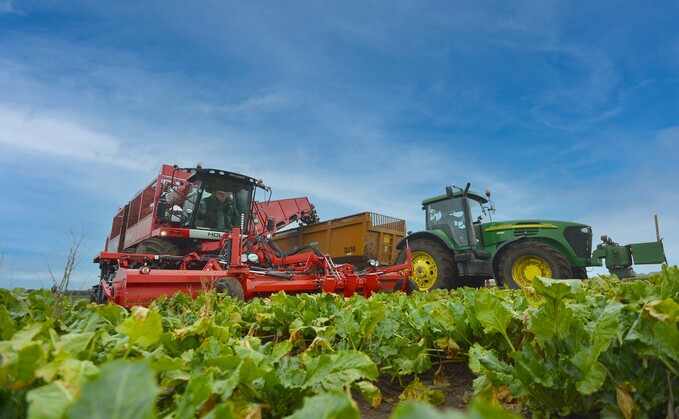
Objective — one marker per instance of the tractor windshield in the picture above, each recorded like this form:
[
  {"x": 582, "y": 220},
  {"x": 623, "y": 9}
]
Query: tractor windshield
[
  {"x": 215, "y": 202},
  {"x": 448, "y": 215}
]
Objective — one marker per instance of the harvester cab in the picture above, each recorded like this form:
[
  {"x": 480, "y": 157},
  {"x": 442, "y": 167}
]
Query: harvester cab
[{"x": 213, "y": 201}]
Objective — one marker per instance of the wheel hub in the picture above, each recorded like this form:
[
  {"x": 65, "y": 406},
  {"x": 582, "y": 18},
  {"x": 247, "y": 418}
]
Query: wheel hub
[
  {"x": 526, "y": 268},
  {"x": 425, "y": 271}
]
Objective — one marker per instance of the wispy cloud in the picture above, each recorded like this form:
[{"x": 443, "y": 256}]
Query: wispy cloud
[
  {"x": 6, "y": 7},
  {"x": 37, "y": 133}
]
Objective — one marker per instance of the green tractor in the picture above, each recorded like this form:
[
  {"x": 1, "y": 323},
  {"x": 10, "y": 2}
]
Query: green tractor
[{"x": 459, "y": 249}]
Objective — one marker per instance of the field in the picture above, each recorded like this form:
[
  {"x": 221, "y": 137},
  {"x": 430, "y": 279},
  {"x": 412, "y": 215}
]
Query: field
[{"x": 602, "y": 347}]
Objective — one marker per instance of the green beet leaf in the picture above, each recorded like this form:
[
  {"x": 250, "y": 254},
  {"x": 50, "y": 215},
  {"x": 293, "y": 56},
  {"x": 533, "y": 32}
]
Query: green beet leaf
[
  {"x": 198, "y": 390},
  {"x": 143, "y": 327},
  {"x": 49, "y": 402},
  {"x": 74, "y": 344},
  {"x": 331, "y": 372},
  {"x": 556, "y": 289},
  {"x": 333, "y": 405},
  {"x": 370, "y": 392},
  {"x": 123, "y": 389},
  {"x": 493, "y": 315}
]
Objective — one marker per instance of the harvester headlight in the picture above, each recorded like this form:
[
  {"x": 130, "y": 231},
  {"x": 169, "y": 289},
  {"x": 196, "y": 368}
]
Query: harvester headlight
[
  {"x": 252, "y": 257},
  {"x": 163, "y": 233},
  {"x": 374, "y": 263},
  {"x": 145, "y": 270}
]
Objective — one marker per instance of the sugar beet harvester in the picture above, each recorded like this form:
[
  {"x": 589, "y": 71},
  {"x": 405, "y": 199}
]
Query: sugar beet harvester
[{"x": 193, "y": 228}]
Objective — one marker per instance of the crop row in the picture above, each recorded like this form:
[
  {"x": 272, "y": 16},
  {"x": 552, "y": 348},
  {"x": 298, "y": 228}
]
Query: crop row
[{"x": 560, "y": 347}]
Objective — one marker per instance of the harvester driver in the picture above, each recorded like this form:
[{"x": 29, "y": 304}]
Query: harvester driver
[{"x": 221, "y": 213}]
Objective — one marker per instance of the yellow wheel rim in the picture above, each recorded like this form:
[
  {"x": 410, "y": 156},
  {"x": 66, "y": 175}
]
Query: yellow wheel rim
[
  {"x": 528, "y": 267},
  {"x": 425, "y": 271}
]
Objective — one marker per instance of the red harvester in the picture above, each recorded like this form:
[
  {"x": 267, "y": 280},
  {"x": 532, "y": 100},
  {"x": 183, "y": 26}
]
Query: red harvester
[{"x": 196, "y": 228}]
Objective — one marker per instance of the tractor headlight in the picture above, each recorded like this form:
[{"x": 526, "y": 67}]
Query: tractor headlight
[{"x": 252, "y": 257}]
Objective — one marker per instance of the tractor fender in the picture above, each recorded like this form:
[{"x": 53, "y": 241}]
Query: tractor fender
[
  {"x": 424, "y": 235},
  {"x": 495, "y": 262}
]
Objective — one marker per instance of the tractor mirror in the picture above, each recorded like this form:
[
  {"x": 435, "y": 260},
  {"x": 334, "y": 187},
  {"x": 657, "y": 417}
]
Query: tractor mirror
[{"x": 270, "y": 224}]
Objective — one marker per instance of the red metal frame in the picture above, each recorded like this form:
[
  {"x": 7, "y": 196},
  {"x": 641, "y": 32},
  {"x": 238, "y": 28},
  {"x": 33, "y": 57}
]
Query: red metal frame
[{"x": 301, "y": 273}]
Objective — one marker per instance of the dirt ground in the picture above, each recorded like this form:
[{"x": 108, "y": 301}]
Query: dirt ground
[{"x": 458, "y": 390}]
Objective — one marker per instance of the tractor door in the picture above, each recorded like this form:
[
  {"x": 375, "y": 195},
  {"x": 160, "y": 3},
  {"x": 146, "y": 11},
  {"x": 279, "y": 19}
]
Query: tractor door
[{"x": 448, "y": 215}]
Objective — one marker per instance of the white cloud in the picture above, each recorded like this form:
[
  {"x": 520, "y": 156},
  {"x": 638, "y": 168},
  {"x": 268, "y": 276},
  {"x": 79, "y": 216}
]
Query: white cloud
[
  {"x": 6, "y": 7},
  {"x": 42, "y": 134}
]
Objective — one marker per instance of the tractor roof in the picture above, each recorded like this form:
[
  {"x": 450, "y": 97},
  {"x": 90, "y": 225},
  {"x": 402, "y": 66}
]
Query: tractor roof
[{"x": 457, "y": 194}]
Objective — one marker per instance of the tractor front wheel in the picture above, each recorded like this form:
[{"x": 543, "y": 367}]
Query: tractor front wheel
[
  {"x": 231, "y": 287},
  {"x": 433, "y": 265},
  {"x": 522, "y": 262}
]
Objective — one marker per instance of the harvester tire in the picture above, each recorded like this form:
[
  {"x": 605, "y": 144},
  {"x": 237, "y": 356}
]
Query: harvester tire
[
  {"x": 411, "y": 286},
  {"x": 231, "y": 287},
  {"x": 157, "y": 246},
  {"x": 433, "y": 265},
  {"x": 97, "y": 295},
  {"x": 521, "y": 262}
]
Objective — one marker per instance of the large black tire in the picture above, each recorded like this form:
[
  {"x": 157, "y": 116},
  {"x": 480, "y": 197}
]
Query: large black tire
[
  {"x": 579, "y": 272},
  {"x": 521, "y": 262},
  {"x": 433, "y": 265},
  {"x": 97, "y": 295},
  {"x": 411, "y": 286},
  {"x": 157, "y": 246},
  {"x": 231, "y": 287}
]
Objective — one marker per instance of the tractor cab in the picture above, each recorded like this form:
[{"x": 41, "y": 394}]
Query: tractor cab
[
  {"x": 458, "y": 214},
  {"x": 208, "y": 199}
]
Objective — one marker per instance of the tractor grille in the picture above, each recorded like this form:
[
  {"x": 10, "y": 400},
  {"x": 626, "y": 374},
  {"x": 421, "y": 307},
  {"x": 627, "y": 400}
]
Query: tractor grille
[
  {"x": 525, "y": 231},
  {"x": 580, "y": 241}
]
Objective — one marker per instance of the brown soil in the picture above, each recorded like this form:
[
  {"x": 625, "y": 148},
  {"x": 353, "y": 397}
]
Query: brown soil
[{"x": 458, "y": 390}]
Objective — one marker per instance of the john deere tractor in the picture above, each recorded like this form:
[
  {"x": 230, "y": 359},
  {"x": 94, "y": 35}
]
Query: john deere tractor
[{"x": 459, "y": 249}]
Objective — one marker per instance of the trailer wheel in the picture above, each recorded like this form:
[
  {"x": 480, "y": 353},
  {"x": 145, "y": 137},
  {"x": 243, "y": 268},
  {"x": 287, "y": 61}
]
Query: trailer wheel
[
  {"x": 433, "y": 265},
  {"x": 521, "y": 262},
  {"x": 157, "y": 246},
  {"x": 231, "y": 287},
  {"x": 411, "y": 286}
]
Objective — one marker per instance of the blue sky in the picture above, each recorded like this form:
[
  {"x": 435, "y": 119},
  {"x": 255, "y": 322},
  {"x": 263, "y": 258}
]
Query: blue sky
[{"x": 564, "y": 109}]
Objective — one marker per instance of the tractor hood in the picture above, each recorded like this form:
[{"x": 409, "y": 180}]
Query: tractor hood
[
  {"x": 578, "y": 236},
  {"x": 524, "y": 225}
]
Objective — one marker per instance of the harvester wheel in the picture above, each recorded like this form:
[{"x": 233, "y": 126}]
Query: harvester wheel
[
  {"x": 97, "y": 295},
  {"x": 157, "y": 246},
  {"x": 433, "y": 265},
  {"x": 232, "y": 287},
  {"x": 411, "y": 286},
  {"x": 523, "y": 261}
]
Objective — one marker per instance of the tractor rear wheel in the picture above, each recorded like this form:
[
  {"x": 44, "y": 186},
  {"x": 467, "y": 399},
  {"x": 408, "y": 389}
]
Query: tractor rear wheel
[
  {"x": 157, "y": 246},
  {"x": 433, "y": 265},
  {"x": 231, "y": 287},
  {"x": 523, "y": 261}
]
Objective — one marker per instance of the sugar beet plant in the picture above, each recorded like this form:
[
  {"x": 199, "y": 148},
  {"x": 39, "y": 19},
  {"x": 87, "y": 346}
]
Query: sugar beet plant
[{"x": 596, "y": 347}]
